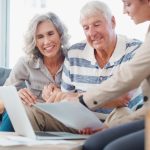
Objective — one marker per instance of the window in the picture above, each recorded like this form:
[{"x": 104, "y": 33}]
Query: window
[
  {"x": 21, "y": 11},
  {"x": 4, "y": 22}
]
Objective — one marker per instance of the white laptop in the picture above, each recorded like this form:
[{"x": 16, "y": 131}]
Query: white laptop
[{"x": 20, "y": 121}]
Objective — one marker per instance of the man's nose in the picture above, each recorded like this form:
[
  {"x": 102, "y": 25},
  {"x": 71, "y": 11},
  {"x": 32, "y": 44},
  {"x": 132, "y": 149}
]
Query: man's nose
[{"x": 92, "y": 32}]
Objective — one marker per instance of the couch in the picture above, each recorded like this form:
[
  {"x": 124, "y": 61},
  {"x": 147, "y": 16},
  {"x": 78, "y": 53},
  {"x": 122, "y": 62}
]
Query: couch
[{"x": 4, "y": 73}]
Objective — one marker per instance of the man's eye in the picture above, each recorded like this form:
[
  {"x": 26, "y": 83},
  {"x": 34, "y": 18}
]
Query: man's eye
[
  {"x": 85, "y": 28},
  {"x": 97, "y": 24},
  {"x": 126, "y": 4}
]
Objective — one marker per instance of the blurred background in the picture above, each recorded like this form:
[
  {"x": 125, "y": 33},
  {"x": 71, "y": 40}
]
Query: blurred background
[{"x": 15, "y": 16}]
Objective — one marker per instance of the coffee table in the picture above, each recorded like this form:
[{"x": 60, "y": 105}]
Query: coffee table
[{"x": 69, "y": 145}]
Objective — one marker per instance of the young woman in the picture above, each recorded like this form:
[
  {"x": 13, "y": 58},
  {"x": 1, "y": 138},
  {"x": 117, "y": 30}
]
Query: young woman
[
  {"x": 129, "y": 136},
  {"x": 46, "y": 43}
]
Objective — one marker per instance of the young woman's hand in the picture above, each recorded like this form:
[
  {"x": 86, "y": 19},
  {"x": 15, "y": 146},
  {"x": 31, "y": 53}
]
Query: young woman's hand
[{"x": 89, "y": 131}]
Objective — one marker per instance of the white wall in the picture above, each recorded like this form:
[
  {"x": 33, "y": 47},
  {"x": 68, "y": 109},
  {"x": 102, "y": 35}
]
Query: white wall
[
  {"x": 0, "y": 31},
  {"x": 22, "y": 11}
]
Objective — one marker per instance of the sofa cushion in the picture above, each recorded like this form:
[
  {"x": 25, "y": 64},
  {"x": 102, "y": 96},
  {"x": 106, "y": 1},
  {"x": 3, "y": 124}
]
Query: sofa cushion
[{"x": 4, "y": 73}]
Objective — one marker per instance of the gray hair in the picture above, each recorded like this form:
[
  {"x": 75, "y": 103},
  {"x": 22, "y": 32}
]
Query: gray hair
[
  {"x": 30, "y": 37},
  {"x": 93, "y": 7}
]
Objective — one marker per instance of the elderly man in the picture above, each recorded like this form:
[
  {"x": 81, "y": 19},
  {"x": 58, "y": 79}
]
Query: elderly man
[{"x": 89, "y": 63}]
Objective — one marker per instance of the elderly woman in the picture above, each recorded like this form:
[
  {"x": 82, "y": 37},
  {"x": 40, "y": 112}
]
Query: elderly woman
[{"x": 46, "y": 42}]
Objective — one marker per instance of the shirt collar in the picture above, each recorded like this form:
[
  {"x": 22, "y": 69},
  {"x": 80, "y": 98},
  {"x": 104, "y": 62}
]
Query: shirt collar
[
  {"x": 36, "y": 63},
  {"x": 119, "y": 49},
  {"x": 89, "y": 54}
]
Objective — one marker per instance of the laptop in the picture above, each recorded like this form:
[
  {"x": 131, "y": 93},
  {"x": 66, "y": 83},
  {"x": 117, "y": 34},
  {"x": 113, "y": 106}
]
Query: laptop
[{"x": 20, "y": 121}]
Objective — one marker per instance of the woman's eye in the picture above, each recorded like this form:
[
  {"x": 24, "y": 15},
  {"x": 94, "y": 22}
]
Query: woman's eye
[
  {"x": 39, "y": 36},
  {"x": 50, "y": 33}
]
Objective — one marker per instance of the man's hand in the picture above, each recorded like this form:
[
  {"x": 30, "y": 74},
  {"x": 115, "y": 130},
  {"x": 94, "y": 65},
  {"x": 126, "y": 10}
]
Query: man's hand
[
  {"x": 90, "y": 131},
  {"x": 51, "y": 94},
  {"x": 48, "y": 90},
  {"x": 121, "y": 101},
  {"x": 27, "y": 97},
  {"x": 58, "y": 96}
]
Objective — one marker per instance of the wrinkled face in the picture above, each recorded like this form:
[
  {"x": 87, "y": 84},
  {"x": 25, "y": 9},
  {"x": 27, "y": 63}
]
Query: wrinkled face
[
  {"x": 48, "y": 39},
  {"x": 136, "y": 9},
  {"x": 98, "y": 30}
]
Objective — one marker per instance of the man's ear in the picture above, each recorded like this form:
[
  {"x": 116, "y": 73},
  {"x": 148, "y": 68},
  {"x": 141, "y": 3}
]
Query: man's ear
[{"x": 113, "y": 21}]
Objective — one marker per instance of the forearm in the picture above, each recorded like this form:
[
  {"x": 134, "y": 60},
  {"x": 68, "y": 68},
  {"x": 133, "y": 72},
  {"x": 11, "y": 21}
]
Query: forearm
[{"x": 111, "y": 104}]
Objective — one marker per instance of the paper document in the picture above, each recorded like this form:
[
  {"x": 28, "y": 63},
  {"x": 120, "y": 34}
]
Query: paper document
[{"x": 71, "y": 114}]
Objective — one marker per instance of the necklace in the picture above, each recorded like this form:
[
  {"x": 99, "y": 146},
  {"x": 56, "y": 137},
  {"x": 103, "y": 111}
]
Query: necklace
[{"x": 53, "y": 69}]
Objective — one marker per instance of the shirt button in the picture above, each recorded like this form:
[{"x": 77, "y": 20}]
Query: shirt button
[
  {"x": 145, "y": 98},
  {"x": 95, "y": 102}
]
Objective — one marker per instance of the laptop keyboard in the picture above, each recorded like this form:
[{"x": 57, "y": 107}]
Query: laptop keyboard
[{"x": 45, "y": 134}]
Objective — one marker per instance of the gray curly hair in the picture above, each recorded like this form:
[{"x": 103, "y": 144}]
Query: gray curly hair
[{"x": 30, "y": 37}]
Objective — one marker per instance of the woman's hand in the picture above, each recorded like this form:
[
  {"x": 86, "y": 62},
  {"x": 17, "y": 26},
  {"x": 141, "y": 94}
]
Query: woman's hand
[
  {"x": 89, "y": 131},
  {"x": 27, "y": 97}
]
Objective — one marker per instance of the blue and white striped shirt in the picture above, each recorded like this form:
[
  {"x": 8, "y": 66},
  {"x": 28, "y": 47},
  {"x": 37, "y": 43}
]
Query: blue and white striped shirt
[{"x": 81, "y": 70}]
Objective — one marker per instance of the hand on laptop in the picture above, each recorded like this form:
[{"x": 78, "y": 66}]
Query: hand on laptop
[{"x": 27, "y": 97}]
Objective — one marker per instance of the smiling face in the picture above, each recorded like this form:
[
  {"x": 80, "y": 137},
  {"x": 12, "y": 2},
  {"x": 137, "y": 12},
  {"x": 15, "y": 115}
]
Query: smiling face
[
  {"x": 48, "y": 39},
  {"x": 138, "y": 10},
  {"x": 98, "y": 30}
]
